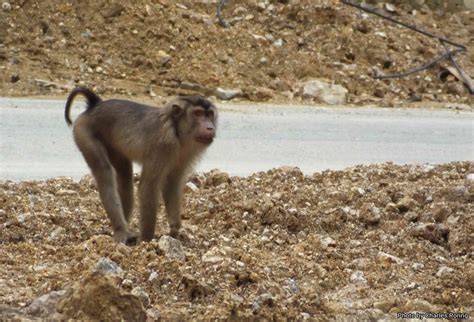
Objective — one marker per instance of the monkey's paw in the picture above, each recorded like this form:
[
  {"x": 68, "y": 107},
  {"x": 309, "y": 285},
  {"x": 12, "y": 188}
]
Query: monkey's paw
[
  {"x": 128, "y": 238},
  {"x": 180, "y": 235}
]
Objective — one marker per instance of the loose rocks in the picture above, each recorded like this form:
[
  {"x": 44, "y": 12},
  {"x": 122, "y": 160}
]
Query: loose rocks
[
  {"x": 276, "y": 245},
  {"x": 171, "y": 247}
]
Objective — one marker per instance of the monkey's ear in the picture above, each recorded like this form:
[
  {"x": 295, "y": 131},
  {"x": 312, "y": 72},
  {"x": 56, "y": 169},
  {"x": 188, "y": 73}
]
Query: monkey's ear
[{"x": 176, "y": 110}]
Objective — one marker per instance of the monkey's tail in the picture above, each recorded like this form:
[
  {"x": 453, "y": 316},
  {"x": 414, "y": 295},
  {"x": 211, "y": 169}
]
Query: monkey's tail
[{"x": 92, "y": 100}]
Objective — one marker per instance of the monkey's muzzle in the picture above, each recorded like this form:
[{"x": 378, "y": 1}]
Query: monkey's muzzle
[{"x": 205, "y": 139}]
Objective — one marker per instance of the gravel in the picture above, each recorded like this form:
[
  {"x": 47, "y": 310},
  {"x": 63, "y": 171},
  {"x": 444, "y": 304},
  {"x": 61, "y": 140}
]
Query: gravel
[{"x": 276, "y": 244}]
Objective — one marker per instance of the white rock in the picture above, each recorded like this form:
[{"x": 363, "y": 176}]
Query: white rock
[
  {"x": 444, "y": 270},
  {"x": 227, "y": 94},
  {"x": 355, "y": 242},
  {"x": 278, "y": 42},
  {"x": 66, "y": 192},
  {"x": 249, "y": 17},
  {"x": 224, "y": 238},
  {"x": 264, "y": 239},
  {"x": 390, "y": 7},
  {"x": 331, "y": 94},
  {"x": 360, "y": 263},
  {"x": 391, "y": 258},
  {"x": 45, "y": 305},
  {"x": 6, "y": 6},
  {"x": 142, "y": 295},
  {"x": 358, "y": 277},
  {"x": 327, "y": 242},
  {"x": 57, "y": 233},
  {"x": 239, "y": 11},
  {"x": 211, "y": 259},
  {"x": 153, "y": 276},
  {"x": 39, "y": 267},
  {"x": 240, "y": 264},
  {"x": 292, "y": 211},
  {"x": 293, "y": 285},
  {"x": 128, "y": 283},
  {"x": 106, "y": 265},
  {"x": 261, "y": 6},
  {"x": 153, "y": 314},
  {"x": 459, "y": 193},
  {"x": 190, "y": 186},
  {"x": 427, "y": 167},
  {"x": 21, "y": 218},
  {"x": 417, "y": 266},
  {"x": 171, "y": 247},
  {"x": 361, "y": 191},
  {"x": 260, "y": 38},
  {"x": 163, "y": 57},
  {"x": 452, "y": 220},
  {"x": 236, "y": 298},
  {"x": 269, "y": 37},
  {"x": 470, "y": 177},
  {"x": 34, "y": 199},
  {"x": 263, "y": 299},
  {"x": 148, "y": 10}
]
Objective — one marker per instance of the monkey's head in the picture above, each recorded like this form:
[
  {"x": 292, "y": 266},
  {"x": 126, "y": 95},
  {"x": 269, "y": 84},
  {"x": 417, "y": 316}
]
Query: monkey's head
[{"x": 194, "y": 118}]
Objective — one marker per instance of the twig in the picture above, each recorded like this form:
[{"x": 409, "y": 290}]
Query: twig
[
  {"x": 420, "y": 68},
  {"x": 404, "y": 24},
  {"x": 465, "y": 78},
  {"x": 222, "y": 22},
  {"x": 448, "y": 54}
]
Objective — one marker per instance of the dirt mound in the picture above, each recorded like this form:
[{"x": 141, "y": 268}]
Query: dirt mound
[
  {"x": 369, "y": 241},
  {"x": 164, "y": 48},
  {"x": 98, "y": 297}
]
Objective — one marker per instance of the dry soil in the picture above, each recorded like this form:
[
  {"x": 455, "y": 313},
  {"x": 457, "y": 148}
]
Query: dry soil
[{"x": 367, "y": 242}]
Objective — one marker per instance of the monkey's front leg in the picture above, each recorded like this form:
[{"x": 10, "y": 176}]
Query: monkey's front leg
[
  {"x": 172, "y": 195},
  {"x": 149, "y": 188}
]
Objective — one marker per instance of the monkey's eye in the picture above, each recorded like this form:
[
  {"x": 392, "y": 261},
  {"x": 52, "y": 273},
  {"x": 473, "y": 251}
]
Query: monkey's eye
[
  {"x": 210, "y": 113},
  {"x": 198, "y": 113}
]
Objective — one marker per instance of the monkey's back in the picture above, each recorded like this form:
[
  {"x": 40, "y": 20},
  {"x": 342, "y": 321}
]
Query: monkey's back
[{"x": 121, "y": 125}]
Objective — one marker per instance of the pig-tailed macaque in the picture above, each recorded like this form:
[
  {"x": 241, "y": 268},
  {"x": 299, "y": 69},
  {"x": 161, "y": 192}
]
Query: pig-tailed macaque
[{"x": 166, "y": 141}]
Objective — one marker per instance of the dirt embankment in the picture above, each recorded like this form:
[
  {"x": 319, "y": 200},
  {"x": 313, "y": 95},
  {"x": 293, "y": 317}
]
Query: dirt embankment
[
  {"x": 163, "y": 48},
  {"x": 369, "y": 242}
]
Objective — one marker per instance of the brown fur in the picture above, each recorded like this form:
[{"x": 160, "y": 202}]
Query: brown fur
[{"x": 165, "y": 141}]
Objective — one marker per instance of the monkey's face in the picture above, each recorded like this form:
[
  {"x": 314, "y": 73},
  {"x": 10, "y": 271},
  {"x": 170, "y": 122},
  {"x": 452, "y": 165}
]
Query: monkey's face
[
  {"x": 204, "y": 125},
  {"x": 197, "y": 120}
]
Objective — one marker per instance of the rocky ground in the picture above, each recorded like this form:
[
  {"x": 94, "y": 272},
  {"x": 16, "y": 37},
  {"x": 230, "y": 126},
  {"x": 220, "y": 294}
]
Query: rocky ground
[
  {"x": 366, "y": 243},
  {"x": 163, "y": 47}
]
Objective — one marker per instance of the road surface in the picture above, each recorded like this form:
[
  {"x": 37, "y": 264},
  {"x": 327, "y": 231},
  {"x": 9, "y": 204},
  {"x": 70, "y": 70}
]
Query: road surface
[{"x": 35, "y": 142}]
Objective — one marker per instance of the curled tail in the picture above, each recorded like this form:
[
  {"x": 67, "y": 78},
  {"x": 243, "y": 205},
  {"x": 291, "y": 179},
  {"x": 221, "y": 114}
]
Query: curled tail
[{"x": 92, "y": 100}]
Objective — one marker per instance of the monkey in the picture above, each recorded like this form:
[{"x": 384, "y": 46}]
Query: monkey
[{"x": 166, "y": 141}]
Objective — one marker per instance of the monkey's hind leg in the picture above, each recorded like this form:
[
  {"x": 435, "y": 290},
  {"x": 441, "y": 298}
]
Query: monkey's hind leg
[
  {"x": 124, "y": 175},
  {"x": 97, "y": 158}
]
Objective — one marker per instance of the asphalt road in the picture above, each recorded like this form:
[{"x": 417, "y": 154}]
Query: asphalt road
[{"x": 35, "y": 142}]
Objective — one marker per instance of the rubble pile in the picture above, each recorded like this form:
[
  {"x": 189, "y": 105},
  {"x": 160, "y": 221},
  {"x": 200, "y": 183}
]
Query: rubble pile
[
  {"x": 272, "y": 50},
  {"x": 368, "y": 241}
]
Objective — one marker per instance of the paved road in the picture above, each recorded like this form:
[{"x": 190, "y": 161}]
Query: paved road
[{"x": 35, "y": 142}]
